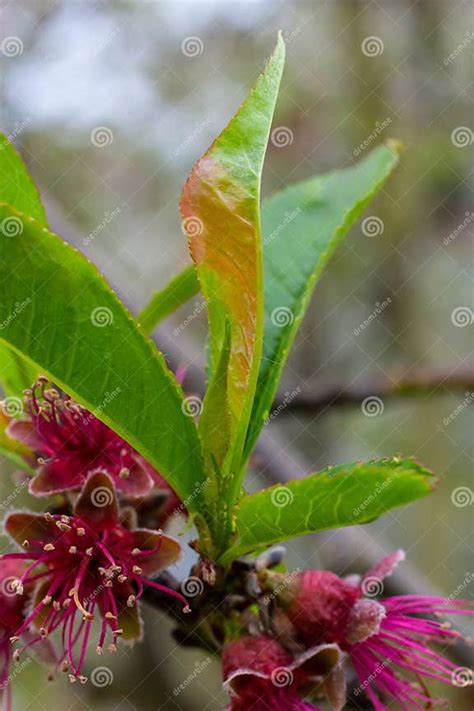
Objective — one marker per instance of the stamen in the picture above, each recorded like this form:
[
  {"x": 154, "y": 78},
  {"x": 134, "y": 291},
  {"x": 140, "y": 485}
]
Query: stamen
[{"x": 86, "y": 614}]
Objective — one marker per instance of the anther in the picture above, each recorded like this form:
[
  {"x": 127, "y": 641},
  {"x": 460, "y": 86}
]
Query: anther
[{"x": 64, "y": 527}]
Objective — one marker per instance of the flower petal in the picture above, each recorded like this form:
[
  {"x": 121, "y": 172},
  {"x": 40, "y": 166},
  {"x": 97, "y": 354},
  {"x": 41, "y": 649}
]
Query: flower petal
[
  {"x": 137, "y": 483},
  {"x": 56, "y": 476},
  {"x": 335, "y": 688},
  {"x": 23, "y": 525},
  {"x": 385, "y": 567},
  {"x": 97, "y": 503},
  {"x": 165, "y": 550},
  {"x": 317, "y": 661},
  {"x": 364, "y": 620},
  {"x": 25, "y": 432}
]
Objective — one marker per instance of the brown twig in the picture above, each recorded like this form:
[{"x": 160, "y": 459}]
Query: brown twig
[{"x": 395, "y": 384}]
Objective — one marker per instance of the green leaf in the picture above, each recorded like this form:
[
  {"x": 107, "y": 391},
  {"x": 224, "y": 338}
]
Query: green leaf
[
  {"x": 343, "y": 495},
  {"x": 176, "y": 293},
  {"x": 79, "y": 334},
  {"x": 302, "y": 226},
  {"x": 220, "y": 209},
  {"x": 15, "y": 373},
  {"x": 215, "y": 430},
  {"x": 16, "y": 189}
]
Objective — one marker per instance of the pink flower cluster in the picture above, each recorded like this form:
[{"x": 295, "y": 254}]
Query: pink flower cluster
[
  {"x": 323, "y": 624},
  {"x": 88, "y": 557}
]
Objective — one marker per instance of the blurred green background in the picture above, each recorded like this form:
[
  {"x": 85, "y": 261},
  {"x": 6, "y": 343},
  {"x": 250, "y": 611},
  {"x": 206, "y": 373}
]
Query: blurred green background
[{"x": 110, "y": 102}]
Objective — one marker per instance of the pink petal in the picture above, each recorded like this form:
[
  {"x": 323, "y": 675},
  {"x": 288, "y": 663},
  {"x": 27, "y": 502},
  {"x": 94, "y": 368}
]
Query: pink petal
[
  {"x": 159, "y": 551},
  {"x": 25, "y": 432},
  {"x": 23, "y": 525},
  {"x": 385, "y": 567}
]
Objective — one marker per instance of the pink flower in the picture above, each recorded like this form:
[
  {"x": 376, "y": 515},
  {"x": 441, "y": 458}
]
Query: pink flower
[
  {"x": 388, "y": 640},
  {"x": 69, "y": 443},
  {"x": 85, "y": 565},
  {"x": 261, "y": 675}
]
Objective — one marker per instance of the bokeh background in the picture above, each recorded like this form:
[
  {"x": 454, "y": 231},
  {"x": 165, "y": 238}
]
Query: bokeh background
[{"x": 111, "y": 101}]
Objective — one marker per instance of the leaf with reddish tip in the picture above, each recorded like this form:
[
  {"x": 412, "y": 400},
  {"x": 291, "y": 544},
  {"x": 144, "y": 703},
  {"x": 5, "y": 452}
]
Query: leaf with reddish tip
[
  {"x": 220, "y": 209},
  {"x": 97, "y": 504}
]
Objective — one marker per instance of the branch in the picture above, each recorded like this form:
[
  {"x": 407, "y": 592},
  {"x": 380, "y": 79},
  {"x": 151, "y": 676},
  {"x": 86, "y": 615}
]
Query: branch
[{"x": 395, "y": 384}]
